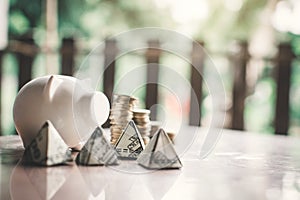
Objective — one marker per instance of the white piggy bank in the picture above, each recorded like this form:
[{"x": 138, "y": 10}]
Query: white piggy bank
[{"x": 74, "y": 109}]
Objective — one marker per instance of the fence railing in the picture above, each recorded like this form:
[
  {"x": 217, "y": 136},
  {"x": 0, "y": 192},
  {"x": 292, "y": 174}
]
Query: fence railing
[{"x": 26, "y": 50}]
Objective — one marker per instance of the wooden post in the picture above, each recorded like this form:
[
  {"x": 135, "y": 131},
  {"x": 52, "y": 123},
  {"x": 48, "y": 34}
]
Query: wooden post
[
  {"x": 197, "y": 67},
  {"x": 152, "y": 59},
  {"x": 240, "y": 61},
  {"x": 283, "y": 76},
  {"x": 1, "y": 61},
  {"x": 68, "y": 51},
  {"x": 110, "y": 53},
  {"x": 25, "y": 61}
]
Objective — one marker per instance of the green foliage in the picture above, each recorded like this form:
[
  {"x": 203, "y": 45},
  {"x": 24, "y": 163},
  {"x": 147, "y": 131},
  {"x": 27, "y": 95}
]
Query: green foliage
[
  {"x": 295, "y": 93},
  {"x": 91, "y": 18},
  {"x": 24, "y": 16},
  {"x": 259, "y": 107},
  {"x": 224, "y": 25},
  {"x": 99, "y": 18},
  {"x": 18, "y": 23},
  {"x": 295, "y": 41},
  {"x": 249, "y": 17}
]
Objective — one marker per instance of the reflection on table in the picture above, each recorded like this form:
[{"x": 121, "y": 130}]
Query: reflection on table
[{"x": 242, "y": 166}]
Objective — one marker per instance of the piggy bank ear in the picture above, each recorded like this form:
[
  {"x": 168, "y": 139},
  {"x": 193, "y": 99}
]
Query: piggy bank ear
[{"x": 51, "y": 86}]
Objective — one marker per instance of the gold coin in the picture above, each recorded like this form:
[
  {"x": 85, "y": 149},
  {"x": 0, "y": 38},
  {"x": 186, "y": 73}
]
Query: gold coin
[
  {"x": 171, "y": 136},
  {"x": 141, "y": 111},
  {"x": 146, "y": 140}
]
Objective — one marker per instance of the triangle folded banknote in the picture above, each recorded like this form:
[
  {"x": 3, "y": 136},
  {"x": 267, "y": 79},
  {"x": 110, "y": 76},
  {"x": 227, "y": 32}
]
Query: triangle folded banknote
[
  {"x": 47, "y": 148},
  {"x": 130, "y": 144},
  {"x": 97, "y": 151},
  {"x": 159, "y": 153}
]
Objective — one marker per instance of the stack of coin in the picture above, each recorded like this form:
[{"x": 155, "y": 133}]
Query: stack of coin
[
  {"x": 142, "y": 120},
  {"x": 120, "y": 114}
]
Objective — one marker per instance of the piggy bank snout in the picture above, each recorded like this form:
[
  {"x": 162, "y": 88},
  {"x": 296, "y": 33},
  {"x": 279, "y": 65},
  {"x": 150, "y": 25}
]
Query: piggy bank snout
[
  {"x": 89, "y": 111},
  {"x": 101, "y": 107}
]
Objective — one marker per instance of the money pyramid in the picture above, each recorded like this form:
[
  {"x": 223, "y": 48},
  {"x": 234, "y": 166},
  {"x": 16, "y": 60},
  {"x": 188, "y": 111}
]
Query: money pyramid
[
  {"x": 97, "y": 151},
  {"x": 48, "y": 148},
  {"x": 130, "y": 143},
  {"x": 160, "y": 153}
]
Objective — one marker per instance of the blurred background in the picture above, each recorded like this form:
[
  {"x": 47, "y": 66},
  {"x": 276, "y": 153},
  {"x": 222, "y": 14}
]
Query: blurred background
[{"x": 261, "y": 37}]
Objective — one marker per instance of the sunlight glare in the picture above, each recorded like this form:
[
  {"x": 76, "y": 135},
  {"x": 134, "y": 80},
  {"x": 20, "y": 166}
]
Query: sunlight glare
[
  {"x": 233, "y": 5},
  {"x": 185, "y": 11},
  {"x": 286, "y": 16}
]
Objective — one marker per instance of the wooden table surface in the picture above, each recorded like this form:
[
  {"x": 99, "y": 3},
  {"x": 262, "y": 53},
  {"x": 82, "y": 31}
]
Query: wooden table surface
[{"x": 242, "y": 166}]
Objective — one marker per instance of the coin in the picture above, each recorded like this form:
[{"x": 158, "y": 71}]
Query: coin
[
  {"x": 171, "y": 136},
  {"x": 120, "y": 114},
  {"x": 142, "y": 120},
  {"x": 146, "y": 140}
]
